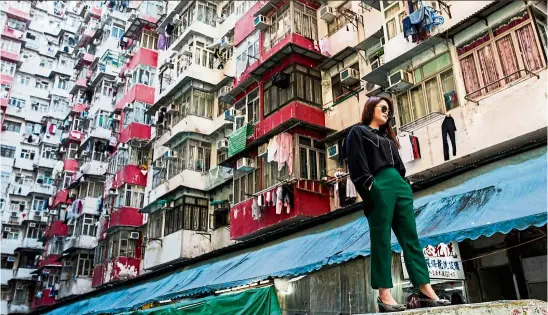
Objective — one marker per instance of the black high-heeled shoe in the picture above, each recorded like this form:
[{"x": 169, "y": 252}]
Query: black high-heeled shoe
[
  {"x": 426, "y": 301},
  {"x": 387, "y": 308}
]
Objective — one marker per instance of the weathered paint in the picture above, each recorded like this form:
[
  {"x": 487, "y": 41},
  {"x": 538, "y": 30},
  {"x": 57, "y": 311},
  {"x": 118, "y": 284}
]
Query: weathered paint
[
  {"x": 143, "y": 56},
  {"x": 244, "y": 26},
  {"x": 125, "y": 216},
  {"x": 138, "y": 92},
  {"x": 45, "y": 300},
  {"x": 129, "y": 174},
  {"x": 61, "y": 197},
  {"x": 56, "y": 228},
  {"x": 135, "y": 131}
]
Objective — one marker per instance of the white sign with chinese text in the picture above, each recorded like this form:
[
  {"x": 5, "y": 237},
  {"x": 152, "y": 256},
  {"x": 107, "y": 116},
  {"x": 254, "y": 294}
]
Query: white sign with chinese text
[{"x": 443, "y": 261}]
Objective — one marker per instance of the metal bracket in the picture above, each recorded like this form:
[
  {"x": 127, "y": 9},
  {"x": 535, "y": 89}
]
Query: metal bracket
[{"x": 447, "y": 8}]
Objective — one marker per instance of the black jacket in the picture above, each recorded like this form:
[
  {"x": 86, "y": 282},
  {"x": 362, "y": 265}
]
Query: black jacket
[{"x": 368, "y": 152}]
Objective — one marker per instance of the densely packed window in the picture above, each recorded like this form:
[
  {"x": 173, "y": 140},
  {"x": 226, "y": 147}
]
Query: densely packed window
[
  {"x": 311, "y": 158},
  {"x": 434, "y": 90},
  {"x": 338, "y": 89},
  {"x": 246, "y": 184},
  {"x": 304, "y": 85},
  {"x": 85, "y": 264},
  {"x": 137, "y": 114},
  {"x": 500, "y": 53},
  {"x": 7, "y": 151},
  {"x": 7, "y": 67},
  {"x": 85, "y": 225},
  {"x": 90, "y": 189},
  {"x": 130, "y": 196},
  {"x": 11, "y": 126}
]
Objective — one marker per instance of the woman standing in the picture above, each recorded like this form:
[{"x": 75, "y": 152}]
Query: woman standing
[{"x": 378, "y": 173}]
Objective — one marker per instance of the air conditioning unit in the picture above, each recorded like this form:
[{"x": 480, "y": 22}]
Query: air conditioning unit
[
  {"x": 400, "y": 81},
  {"x": 116, "y": 117},
  {"x": 377, "y": 63},
  {"x": 327, "y": 14},
  {"x": 176, "y": 19},
  {"x": 12, "y": 259},
  {"x": 170, "y": 154},
  {"x": 245, "y": 164},
  {"x": 134, "y": 235},
  {"x": 222, "y": 145},
  {"x": 123, "y": 146},
  {"x": 350, "y": 76},
  {"x": 128, "y": 73},
  {"x": 62, "y": 150},
  {"x": 187, "y": 50},
  {"x": 120, "y": 81},
  {"x": 172, "y": 108},
  {"x": 67, "y": 263},
  {"x": 96, "y": 41},
  {"x": 224, "y": 91},
  {"x": 168, "y": 205},
  {"x": 32, "y": 224},
  {"x": 261, "y": 22},
  {"x": 372, "y": 89},
  {"x": 225, "y": 42},
  {"x": 12, "y": 24},
  {"x": 230, "y": 114},
  {"x": 15, "y": 214},
  {"x": 113, "y": 191},
  {"x": 333, "y": 152},
  {"x": 263, "y": 149},
  {"x": 7, "y": 229},
  {"x": 53, "y": 212}
]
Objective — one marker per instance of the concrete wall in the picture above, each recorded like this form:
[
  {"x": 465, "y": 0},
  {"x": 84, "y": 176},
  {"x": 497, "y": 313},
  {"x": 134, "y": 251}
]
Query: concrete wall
[{"x": 77, "y": 286}]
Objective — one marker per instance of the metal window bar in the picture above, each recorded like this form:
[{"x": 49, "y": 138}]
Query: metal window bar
[
  {"x": 469, "y": 98},
  {"x": 421, "y": 122}
]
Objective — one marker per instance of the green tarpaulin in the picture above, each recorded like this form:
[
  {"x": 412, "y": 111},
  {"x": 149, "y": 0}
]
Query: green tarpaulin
[
  {"x": 237, "y": 141},
  {"x": 261, "y": 301}
]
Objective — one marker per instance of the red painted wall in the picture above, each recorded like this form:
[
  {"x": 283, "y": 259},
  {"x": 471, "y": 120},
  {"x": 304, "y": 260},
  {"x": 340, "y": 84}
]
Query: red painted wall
[
  {"x": 97, "y": 276},
  {"x": 61, "y": 197},
  {"x": 135, "y": 131},
  {"x": 244, "y": 26},
  {"x": 294, "y": 110},
  {"x": 305, "y": 204},
  {"x": 138, "y": 92},
  {"x": 10, "y": 56},
  {"x": 56, "y": 228},
  {"x": 45, "y": 300},
  {"x": 143, "y": 56},
  {"x": 126, "y": 216},
  {"x": 50, "y": 260},
  {"x": 70, "y": 165},
  {"x": 129, "y": 174}
]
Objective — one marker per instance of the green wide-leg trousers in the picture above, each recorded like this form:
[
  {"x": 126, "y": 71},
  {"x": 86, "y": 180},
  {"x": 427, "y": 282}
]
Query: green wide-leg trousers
[{"x": 392, "y": 209}]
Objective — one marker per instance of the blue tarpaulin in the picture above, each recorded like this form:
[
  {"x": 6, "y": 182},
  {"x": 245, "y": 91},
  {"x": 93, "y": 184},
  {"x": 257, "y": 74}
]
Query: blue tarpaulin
[{"x": 502, "y": 196}]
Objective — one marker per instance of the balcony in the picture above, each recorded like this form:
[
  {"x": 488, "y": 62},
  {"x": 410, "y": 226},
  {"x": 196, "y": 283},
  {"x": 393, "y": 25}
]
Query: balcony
[
  {"x": 73, "y": 136},
  {"x": 51, "y": 260},
  {"x": 51, "y": 139},
  {"x": 195, "y": 27},
  {"x": 46, "y": 73},
  {"x": 43, "y": 189},
  {"x": 46, "y": 163},
  {"x": 23, "y": 273},
  {"x": 61, "y": 198},
  {"x": 9, "y": 246},
  {"x": 121, "y": 268},
  {"x": 125, "y": 216},
  {"x": 79, "y": 83},
  {"x": 189, "y": 124},
  {"x": 70, "y": 165},
  {"x": 135, "y": 132},
  {"x": 32, "y": 243},
  {"x": 142, "y": 56},
  {"x": 12, "y": 33},
  {"x": 92, "y": 167},
  {"x": 310, "y": 199},
  {"x": 488, "y": 117},
  {"x": 19, "y": 190},
  {"x": 79, "y": 242},
  {"x": 17, "y": 9},
  {"x": 181, "y": 244},
  {"x": 138, "y": 92},
  {"x": 97, "y": 132},
  {"x": 12, "y": 56},
  {"x": 5, "y": 276},
  {"x": 129, "y": 174},
  {"x": 146, "y": 16},
  {"x": 75, "y": 286},
  {"x": 44, "y": 300},
  {"x": 185, "y": 178}
]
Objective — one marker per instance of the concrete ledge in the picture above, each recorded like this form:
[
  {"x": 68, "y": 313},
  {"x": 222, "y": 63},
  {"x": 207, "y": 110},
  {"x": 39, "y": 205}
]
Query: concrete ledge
[{"x": 521, "y": 307}]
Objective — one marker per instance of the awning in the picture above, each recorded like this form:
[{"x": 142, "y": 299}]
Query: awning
[
  {"x": 488, "y": 200},
  {"x": 261, "y": 301}
]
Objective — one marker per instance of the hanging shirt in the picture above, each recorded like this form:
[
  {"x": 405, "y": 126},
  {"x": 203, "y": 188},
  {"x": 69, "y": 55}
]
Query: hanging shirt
[
  {"x": 285, "y": 152},
  {"x": 350, "y": 189},
  {"x": 272, "y": 149},
  {"x": 255, "y": 211},
  {"x": 406, "y": 148},
  {"x": 279, "y": 200},
  {"x": 36, "y": 129}
]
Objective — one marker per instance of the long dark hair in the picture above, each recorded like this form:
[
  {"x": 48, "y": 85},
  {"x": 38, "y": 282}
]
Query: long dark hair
[{"x": 369, "y": 112}]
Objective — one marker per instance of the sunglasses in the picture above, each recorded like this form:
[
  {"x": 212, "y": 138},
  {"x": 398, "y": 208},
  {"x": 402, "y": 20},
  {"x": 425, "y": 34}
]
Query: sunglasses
[{"x": 385, "y": 109}]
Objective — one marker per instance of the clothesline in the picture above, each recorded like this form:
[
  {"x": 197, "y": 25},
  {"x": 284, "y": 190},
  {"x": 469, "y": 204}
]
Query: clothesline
[
  {"x": 291, "y": 180},
  {"x": 337, "y": 179}
]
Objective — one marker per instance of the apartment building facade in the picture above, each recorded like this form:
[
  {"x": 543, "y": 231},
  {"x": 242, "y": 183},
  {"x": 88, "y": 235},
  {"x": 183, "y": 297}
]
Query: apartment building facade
[{"x": 188, "y": 121}]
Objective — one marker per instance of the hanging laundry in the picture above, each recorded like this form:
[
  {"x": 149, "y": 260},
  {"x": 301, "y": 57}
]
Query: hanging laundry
[
  {"x": 272, "y": 149},
  {"x": 37, "y": 129},
  {"x": 260, "y": 200},
  {"x": 279, "y": 200},
  {"x": 448, "y": 128},
  {"x": 274, "y": 198},
  {"x": 267, "y": 198},
  {"x": 406, "y": 147},
  {"x": 112, "y": 141},
  {"x": 350, "y": 189},
  {"x": 162, "y": 42},
  {"x": 416, "y": 147},
  {"x": 325, "y": 48},
  {"x": 336, "y": 195},
  {"x": 255, "y": 211},
  {"x": 285, "y": 152}
]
